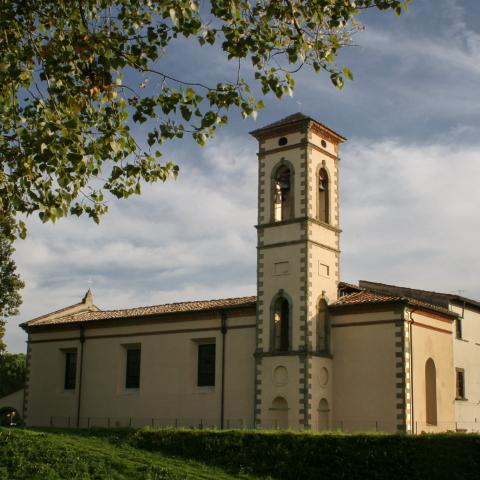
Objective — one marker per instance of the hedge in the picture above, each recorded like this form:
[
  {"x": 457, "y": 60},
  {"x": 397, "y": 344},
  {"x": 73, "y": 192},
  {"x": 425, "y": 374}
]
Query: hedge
[{"x": 310, "y": 456}]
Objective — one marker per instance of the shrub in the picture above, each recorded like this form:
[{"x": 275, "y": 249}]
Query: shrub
[{"x": 307, "y": 456}]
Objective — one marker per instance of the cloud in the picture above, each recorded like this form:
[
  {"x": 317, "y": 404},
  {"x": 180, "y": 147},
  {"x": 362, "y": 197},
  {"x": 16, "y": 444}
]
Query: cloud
[
  {"x": 414, "y": 75},
  {"x": 410, "y": 214},
  {"x": 189, "y": 239}
]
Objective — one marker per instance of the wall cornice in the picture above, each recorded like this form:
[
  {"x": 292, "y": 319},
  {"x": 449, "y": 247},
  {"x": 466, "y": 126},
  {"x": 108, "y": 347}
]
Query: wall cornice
[
  {"x": 303, "y": 144},
  {"x": 299, "y": 220}
]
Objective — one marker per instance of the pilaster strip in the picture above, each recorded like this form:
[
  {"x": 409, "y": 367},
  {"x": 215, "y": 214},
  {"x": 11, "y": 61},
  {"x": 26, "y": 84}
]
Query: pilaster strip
[
  {"x": 402, "y": 387},
  {"x": 307, "y": 290},
  {"x": 257, "y": 414}
]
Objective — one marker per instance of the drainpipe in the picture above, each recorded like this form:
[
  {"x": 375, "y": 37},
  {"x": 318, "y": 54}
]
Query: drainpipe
[
  {"x": 223, "y": 329},
  {"x": 82, "y": 342}
]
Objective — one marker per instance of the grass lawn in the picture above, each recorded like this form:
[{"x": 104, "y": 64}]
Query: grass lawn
[{"x": 29, "y": 454}]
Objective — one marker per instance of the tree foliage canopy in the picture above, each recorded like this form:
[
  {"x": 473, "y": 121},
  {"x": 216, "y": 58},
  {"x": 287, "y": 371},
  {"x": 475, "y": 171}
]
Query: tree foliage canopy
[
  {"x": 67, "y": 105},
  {"x": 10, "y": 282},
  {"x": 12, "y": 372}
]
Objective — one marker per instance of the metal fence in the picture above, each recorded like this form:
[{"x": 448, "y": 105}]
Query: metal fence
[
  {"x": 343, "y": 425},
  {"x": 137, "y": 422}
]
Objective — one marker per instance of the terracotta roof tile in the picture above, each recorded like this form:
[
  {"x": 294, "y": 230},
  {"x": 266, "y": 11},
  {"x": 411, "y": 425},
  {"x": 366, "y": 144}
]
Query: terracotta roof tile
[
  {"x": 55, "y": 312},
  {"x": 292, "y": 119},
  {"x": 430, "y": 296},
  {"x": 342, "y": 285},
  {"x": 369, "y": 297},
  {"x": 364, "y": 297},
  {"x": 195, "y": 306}
]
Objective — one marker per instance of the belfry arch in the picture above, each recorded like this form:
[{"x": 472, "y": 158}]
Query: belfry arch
[
  {"x": 323, "y": 192},
  {"x": 282, "y": 192},
  {"x": 281, "y": 323}
]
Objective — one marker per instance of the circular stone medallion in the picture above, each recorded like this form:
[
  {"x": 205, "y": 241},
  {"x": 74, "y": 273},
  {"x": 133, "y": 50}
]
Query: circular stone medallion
[{"x": 323, "y": 377}]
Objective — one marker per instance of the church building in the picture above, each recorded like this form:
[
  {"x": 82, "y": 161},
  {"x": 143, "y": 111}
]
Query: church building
[{"x": 307, "y": 352}]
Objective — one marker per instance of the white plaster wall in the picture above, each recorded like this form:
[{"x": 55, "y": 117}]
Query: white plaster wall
[
  {"x": 432, "y": 338},
  {"x": 364, "y": 392},
  {"x": 168, "y": 389}
]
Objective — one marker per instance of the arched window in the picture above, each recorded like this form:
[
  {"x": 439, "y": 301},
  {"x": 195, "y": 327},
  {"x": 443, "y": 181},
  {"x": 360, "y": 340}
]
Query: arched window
[
  {"x": 323, "y": 196},
  {"x": 282, "y": 194},
  {"x": 431, "y": 392},
  {"x": 279, "y": 410},
  {"x": 323, "y": 415},
  {"x": 323, "y": 327},
  {"x": 281, "y": 325}
]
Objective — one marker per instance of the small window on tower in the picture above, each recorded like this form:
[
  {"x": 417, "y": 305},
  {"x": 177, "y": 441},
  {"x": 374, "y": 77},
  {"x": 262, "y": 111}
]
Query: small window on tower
[
  {"x": 324, "y": 143},
  {"x": 282, "y": 141},
  {"x": 282, "y": 194}
]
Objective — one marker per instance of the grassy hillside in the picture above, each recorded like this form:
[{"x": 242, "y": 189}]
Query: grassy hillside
[{"x": 26, "y": 454}]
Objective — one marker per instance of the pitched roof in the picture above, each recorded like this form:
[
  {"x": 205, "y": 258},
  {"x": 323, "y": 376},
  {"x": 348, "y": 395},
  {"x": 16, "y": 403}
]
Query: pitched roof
[
  {"x": 364, "y": 297},
  {"x": 168, "y": 308},
  {"x": 84, "y": 306},
  {"x": 368, "y": 297},
  {"x": 55, "y": 313},
  {"x": 291, "y": 120},
  {"x": 429, "y": 296},
  {"x": 86, "y": 311},
  {"x": 345, "y": 288}
]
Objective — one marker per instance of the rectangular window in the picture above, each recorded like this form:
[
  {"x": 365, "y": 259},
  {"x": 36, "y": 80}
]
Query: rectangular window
[
  {"x": 206, "y": 365},
  {"x": 70, "y": 370},
  {"x": 133, "y": 368},
  {"x": 460, "y": 384},
  {"x": 458, "y": 327}
]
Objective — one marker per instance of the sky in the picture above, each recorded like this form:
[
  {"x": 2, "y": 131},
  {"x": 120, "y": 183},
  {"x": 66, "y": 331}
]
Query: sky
[{"x": 409, "y": 175}]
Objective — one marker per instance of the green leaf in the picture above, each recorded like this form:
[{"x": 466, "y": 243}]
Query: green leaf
[{"x": 347, "y": 73}]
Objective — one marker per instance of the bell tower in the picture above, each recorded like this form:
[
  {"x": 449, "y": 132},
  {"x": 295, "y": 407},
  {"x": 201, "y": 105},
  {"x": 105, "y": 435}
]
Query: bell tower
[{"x": 297, "y": 272}]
